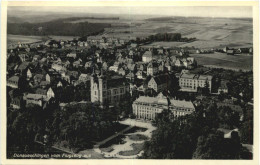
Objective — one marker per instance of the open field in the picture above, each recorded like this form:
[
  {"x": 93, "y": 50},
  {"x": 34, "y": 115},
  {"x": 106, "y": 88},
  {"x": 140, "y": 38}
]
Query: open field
[
  {"x": 165, "y": 44},
  {"x": 225, "y": 61},
  {"x": 15, "y": 39},
  {"x": 63, "y": 37},
  {"x": 210, "y": 32}
]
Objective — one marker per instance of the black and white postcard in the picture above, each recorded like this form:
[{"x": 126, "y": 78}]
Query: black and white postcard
[{"x": 129, "y": 81}]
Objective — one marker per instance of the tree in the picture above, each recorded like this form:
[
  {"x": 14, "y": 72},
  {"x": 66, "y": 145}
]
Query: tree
[
  {"x": 215, "y": 146},
  {"x": 247, "y": 132}
]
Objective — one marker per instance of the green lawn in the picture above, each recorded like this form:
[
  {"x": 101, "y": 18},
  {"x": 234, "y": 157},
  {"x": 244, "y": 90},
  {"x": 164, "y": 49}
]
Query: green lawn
[
  {"x": 137, "y": 147},
  {"x": 137, "y": 137}
]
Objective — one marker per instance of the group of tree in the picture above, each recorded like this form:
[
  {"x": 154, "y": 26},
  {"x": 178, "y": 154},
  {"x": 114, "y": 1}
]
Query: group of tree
[
  {"x": 77, "y": 126},
  {"x": 195, "y": 136},
  {"x": 56, "y": 27},
  {"x": 167, "y": 37}
]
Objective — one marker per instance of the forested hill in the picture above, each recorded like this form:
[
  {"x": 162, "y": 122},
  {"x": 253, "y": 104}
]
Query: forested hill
[{"x": 56, "y": 27}]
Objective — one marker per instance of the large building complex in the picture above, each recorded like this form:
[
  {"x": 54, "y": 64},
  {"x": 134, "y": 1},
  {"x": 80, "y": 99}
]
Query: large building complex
[
  {"x": 107, "y": 90},
  {"x": 191, "y": 82},
  {"x": 148, "y": 107}
]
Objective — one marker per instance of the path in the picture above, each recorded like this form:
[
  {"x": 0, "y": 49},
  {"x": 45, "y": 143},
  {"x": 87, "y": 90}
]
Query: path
[
  {"x": 117, "y": 148},
  {"x": 112, "y": 137}
]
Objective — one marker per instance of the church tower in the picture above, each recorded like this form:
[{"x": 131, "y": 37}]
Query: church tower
[
  {"x": 102, "y": 84},
  {"x": 94, "y": 90}
]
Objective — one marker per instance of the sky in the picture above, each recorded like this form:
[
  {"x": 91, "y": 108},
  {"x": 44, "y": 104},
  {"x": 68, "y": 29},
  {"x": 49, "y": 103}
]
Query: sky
[{"x": 197, "y": 11}]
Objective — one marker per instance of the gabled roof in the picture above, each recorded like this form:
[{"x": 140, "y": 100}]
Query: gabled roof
[
  {"x": 148, "y": 54},
  {"x": 14, "y": 78}
]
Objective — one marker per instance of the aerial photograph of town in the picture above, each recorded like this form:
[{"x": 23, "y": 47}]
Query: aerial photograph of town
[{"x": 126, "y": 82}]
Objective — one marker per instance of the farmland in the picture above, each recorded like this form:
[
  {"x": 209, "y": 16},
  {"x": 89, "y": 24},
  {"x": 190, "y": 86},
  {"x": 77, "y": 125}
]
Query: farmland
[
  {"x": 164, "y": 44},
  {"x": 15, "y": 39},
  {"x": 209, "y": 32},
  {"x": 220, "y": 60}
]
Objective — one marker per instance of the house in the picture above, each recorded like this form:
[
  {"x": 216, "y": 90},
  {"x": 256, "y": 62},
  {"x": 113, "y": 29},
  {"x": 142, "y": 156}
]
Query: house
[
  {"x": 230, "y": 52},
  {"x": 159, "y": 83},
  {"x": 147, "y": 56},
  {"x": 178, "y": 63},
  {"x": 152, "y": 68},
  {"x": 72, "y": 55},
  {"x": 36, "y": 58},
  {"x": 114, "y": 68},
  {"x": 242, "y": 50},
  {"x": 140, "y": 74},
  {"x": 168, "y": 65},
  {"x": 59, "y": 68},
  {"x": 50, "y": 93},
  {"x": 36, "y": 99},
  {"x": 23, "y": 67},
  {"x": 130, "y": 76},
  {"x": 133, "y": 45},
  {"x": 84, "y": 77},
  {"x": 73, "y": 74},
  {"x": 23, "y": 57},
  {"x": 122, "y": 71},
  {"x": 41, "y": 91},
  {"x": 131, "y": 67},
  {"x": 14, "y": 82},
  {"x": 17, "y": 102},
  {"x": 38, "y": 78},
  {"x": 29, "y": 74},
  {"x": 88, "y": 64},
  {"x": 160, "y": 51},
  {"x": 76, "y": 64},
  {"x": 142, "y": 67},
  {"x": 48, "y": 78},
  {"x": 44, "y": 84},
  {"x": 223, "y": 87}
]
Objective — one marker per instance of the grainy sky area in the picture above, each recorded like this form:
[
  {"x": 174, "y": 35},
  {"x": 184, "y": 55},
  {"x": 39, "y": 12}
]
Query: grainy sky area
[{"x": 227, "y": 11}]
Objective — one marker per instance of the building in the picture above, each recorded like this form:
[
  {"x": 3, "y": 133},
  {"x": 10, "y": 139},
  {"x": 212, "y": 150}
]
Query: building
[
  {"x": 36, "y": 99},
  {"x": 147, "y": 56},
  {"x": 106, "y": 90},
  {"x": 148, "y": 107},
  {"x": 223, "y": 87},
  {"x": 29, "y": 74},
  {"x": 159, "y": 83},
  {"x": 191, "y": 82},
  {"x": 14, "y": 82},
  {"x": 152, "y": 68},
  {"x": 17, "y": 103}
]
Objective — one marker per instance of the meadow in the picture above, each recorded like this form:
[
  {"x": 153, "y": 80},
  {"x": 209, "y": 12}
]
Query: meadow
[
  {"x": 221, "y": 60},
  {"x": 16, "y": 39}
]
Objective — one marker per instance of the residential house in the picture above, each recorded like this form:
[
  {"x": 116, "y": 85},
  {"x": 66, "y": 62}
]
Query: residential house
[
  {"x": 230, "y": 52},
  {"x": 140, "y": 75},
  {"x": 223, "y": 87},
  {"x": 147, "y": 56},
  {"x": 29, "y": 74},
  {"x": 72, "y": 55},
  {"x": 38, "y": 78},
  {"x": 17, "y": 103},
  {"x": 152, "y": 68},
  {"x": 122, "y": 71},
  {"x": 14, "y": 82},
  {"x": 159, "y": 83}
]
